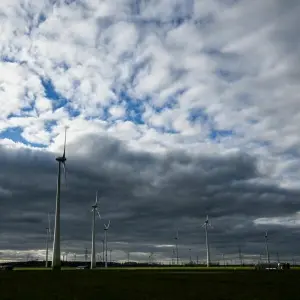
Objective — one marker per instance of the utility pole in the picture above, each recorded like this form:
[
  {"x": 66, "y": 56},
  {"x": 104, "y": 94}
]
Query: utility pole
[
  {"x": 190, "y": 256},
  {"x": 128, "y": 257}
]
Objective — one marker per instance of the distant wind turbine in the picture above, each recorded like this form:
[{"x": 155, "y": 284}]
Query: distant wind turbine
[
  {"x": 240, "y": 256},
  {"x": 94, "y": 210},
  {"x": 177, "y": 254},
  {"x": 267, "y": 247},
  {"x": 103, "y": 250},
  {"x": 110, "y": 252},
  {"x": 86, "y": 254},
  {"x": 206, "y": 225},
  {"x": 56, "y": 260},
  {"x": 278, "y": 260},
  {"x": 48, "y": 238},
  {"x": 106, "y": 227}
]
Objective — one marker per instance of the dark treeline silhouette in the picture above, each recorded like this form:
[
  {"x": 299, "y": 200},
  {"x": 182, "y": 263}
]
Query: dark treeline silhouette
[{"x": 41, "y": 264}]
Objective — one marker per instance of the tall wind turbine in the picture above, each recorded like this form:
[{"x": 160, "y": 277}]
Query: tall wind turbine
[
  {"x": 267, "y": 247},
  {"x": 177, "y": 254},
  {"x": 56, "y": 261},
  {"x": 206, "y": 225},
  {"x": 106, "y": 227},
  {"x": 94, "y": 210},
  {"x": 48, "y": 237}
]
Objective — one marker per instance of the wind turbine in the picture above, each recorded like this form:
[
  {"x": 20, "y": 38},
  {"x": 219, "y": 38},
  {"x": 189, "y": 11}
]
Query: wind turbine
[
  {"x": 56, "y": 261},
  {"x": 177, "y": 254},
  {"x": 240, "y": 256},
  {"x": 206, "y": 225},
  {"x": 94, "y": 210},
  {"x": 267, "y": 247},
  {"x": 48, "y": 237},
  {"x": 86, "y": 254},
  {"x": 103, "y": 250},
  {"x": 173, "y": 256},
  {"x": 278, "y": 260},
  {"x": 106, "y": 227}
]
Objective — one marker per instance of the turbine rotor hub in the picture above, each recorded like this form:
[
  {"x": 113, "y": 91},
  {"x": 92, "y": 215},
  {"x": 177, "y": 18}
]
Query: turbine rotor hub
[{"x": 61, "y": 159}]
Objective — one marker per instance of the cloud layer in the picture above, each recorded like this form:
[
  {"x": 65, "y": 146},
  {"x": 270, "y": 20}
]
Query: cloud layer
[{"x": 175, "y": 109}]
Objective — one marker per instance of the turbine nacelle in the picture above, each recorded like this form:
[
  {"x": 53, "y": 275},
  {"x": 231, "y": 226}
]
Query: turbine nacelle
[
  {"x": 106, "y": 227},
  {"x": 62, "y": 159},
  {"x": 95, "y": 206},
  {"x": 207, "y": 223}
]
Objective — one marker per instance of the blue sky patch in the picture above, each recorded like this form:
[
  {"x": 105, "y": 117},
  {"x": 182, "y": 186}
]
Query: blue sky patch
[
  {"x": 15, "y": 134},
  {"x": 57, "y": 100},
  {"x": 198, "y": 115},
  {"x": 217, "y": 135},
  {"x": 49, "y": 124}
]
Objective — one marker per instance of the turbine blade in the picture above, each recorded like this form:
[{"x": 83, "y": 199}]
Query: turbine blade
[
  {"x": 49, "y": 225},
  {"x": 108, "y": 224},
  {"x": 96, "y": 198},
  {"x": 64, "y": 154},
  {"x": 65, "y": 171},
  {"x": 98, "y": 214}
]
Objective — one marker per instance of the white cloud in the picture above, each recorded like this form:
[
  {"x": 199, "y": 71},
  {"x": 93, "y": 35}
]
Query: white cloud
[
  {"x": 117, "y": 111},
  {"x": 292, "y": 221},
  {"x": 92, "y": 50}
]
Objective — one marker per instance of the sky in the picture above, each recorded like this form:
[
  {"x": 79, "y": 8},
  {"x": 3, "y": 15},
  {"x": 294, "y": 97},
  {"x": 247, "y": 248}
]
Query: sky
[{"x": 176, "y": 109}]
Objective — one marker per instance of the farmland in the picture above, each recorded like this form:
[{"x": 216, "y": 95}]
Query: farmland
[{"x": 149, "y": 283}]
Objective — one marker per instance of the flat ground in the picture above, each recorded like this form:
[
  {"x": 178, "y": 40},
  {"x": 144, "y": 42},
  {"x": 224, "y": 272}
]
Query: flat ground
[{"x": 149, "y": 284}]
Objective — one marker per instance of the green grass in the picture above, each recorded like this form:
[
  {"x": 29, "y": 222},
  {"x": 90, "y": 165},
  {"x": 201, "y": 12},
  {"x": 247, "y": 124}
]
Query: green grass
[{"x": 144, "y": 284}]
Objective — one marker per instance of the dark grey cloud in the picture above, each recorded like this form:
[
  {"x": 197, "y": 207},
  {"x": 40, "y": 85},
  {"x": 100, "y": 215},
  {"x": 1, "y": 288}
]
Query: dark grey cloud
[{"x": 146, "y": 196}]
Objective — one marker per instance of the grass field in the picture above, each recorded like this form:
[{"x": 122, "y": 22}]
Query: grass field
[{"x": 181, "y": 283}]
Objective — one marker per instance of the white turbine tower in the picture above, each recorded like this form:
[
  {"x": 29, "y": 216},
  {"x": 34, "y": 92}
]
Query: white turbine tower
[
  {"x": 94, "y": 210},
  {"x": 206, "y": 225},
  {"x": 106, "y": 227},
  {"x": 48, "y": 238},
  {"x": 267, "y": 247},
  {"x": 56, "y": 260}
]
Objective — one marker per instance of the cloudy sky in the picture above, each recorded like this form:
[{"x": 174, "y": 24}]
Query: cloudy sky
[{"x": 176, "y": 109}]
